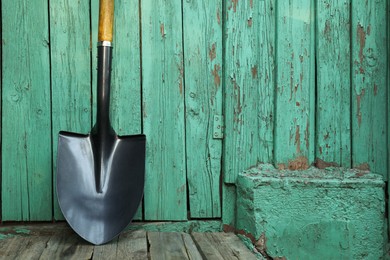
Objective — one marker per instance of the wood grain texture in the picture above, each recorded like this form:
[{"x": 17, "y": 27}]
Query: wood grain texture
[
  {"x": 249, "y": 81},
  {"x": 167, "y": 245},
  {"x": 369, "y": 89},
  {"x": 208, "y": 249},
  {"x": 26, "y": 141},
  {"x": 163, "y": 110},
  {"x": 295, "y": 84},
  {"x": 202, "y": 28},
  {"x": 70, "y": 73},
  {"x": 132, "y": 245},
  {"x": 125, "y": 106},
  {"x": 67, "y": 245},
  {"x": 333, "y": 132}
]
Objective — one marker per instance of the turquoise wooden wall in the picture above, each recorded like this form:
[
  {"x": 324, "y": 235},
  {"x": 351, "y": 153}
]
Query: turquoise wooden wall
[{"x": 297, "y": 82}]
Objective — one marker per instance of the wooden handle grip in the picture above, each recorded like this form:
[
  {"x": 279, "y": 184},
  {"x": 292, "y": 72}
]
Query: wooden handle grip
[{"x": 106, "y": 20}]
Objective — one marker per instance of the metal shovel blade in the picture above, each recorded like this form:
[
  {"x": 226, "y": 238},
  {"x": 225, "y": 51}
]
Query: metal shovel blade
[{"x": 99, "y": 214}]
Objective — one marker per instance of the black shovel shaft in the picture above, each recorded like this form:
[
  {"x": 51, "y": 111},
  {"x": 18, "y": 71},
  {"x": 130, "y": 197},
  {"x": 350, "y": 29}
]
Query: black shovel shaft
[{"x": 103, "y": 125}]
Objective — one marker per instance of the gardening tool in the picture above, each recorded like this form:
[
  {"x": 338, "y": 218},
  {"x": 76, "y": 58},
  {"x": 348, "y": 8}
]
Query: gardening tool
[{"x": 100, "y": 176}]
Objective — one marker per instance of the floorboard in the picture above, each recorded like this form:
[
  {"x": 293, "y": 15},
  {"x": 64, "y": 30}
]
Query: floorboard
[{"x": 58, "y": 241}]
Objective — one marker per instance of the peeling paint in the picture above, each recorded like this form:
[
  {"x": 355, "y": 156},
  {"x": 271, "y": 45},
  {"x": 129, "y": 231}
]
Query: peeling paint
[
  {"x": 215, "y": 73},
  {"x": 235, "y": 2},
  {"x": 361, "y": 37},
  {"x": 363, "y": 167},
  {"x": 250, "y": 22},
  {"x": 300, "y": 163},
  {"x": 162, "y": 30},
  {"x": 298, "y": 139},
  {"x": 212, "y": 52},
  {"x": 218, "y": 16},
  {"x": 321, "y": 164},
  {"x": 359, "y": 113},
  {"x": 254, "y": 71}
]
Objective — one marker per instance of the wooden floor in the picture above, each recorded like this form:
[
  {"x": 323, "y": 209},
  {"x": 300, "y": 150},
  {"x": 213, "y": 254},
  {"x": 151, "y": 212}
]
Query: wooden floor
[{"x": 60, "y": 242}]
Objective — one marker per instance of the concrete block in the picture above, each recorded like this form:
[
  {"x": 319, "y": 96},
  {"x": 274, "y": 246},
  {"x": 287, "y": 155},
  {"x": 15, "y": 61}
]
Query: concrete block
[{"x": 312, "y": 214}]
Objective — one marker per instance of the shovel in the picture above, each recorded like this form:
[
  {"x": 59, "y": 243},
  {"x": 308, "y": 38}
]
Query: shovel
[{"x": 100, "y": 175}]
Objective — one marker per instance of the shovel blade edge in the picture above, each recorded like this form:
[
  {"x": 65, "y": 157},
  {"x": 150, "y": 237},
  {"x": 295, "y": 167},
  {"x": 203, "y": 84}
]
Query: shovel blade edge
[{"x": 98, "y": 217}]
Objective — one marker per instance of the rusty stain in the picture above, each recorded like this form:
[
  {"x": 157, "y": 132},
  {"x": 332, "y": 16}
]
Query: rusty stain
[
  {"x": 251, "y": 3},
  {"x": 320, "y": 150},
  {"x": 359, "y": 113},
  {"x": 321, "y": 164},
  {"x": 298, "y": 139},
  {"x": 261, "y": 244},
  {"x": 162, "y": 30},
  {"x": 250, "y": 22},
  {"x": 235, "y": 2},
  {"x": 300, "y": 163},
  {"x": 375, "y": 89},
  {"x": 300, "y": 79},
  {"x": 297, "y": 104},
  {"x": 254, "y": 71},
  {"x": 326, "y": 136},
  {"x": 181, "y": 76},
  {"x": 217, "y": 78},
  {"x": 307, "y": 135},
  {"x": 327, "y": 30},
  {"x": 237, "y": 95},
  {"x": 363, "y": 167},
  {"x": 218, "y": 16},
  {"x": 361, "y": 35},
  {"x": 212, "y": 52}
]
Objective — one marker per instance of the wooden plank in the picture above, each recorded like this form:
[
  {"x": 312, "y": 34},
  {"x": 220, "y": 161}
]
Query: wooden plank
[
  {"x": 295, "y": 84},
  {"x": 167, "y": 245},
  {"x": 202, "y": 31},
  {"x": 125, "y": 99},
  {"x": 249, "y": 80},
  {"x": 207, "y": 250},
  {"x": 333, "y": 137},
  {"x": 67, "y": 245},
  {"x": 126, "y": 113},
  {"x": 32, "y": 248},
  {"x": 192, "y": 250},
  {"x": 26, "y": 141},
  {"x": 230, "y": 246},
  {"x": 11, "y": 247},
  {"x": 369, "y": 89},
  {"x": 70, "y": 73},
  {"x": 107, "y": 251},
  {"x": 132, "y": 245},
  {"x": 163, "y": 110}
]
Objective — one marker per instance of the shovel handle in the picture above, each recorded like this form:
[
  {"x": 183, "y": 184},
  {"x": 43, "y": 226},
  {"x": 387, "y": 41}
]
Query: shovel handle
[{"x": 106, "y": 20}]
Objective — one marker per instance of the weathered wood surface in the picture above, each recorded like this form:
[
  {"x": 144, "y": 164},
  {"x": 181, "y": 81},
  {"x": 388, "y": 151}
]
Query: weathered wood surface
[
  {"x": 249, "y": 81},
  {"x": 26, "y": 119},
  {"x": 57, "y": 241},
  {"x": 70, "y": 73},
  {"x": 163, "y": 110},
  {"x": 202, "y": 29},
  {"x": 333, "y": 135},
  {"x": 369, "y": 89},
  {"x": 222, "y": 246},
  {"x": 295, "y": 84}
]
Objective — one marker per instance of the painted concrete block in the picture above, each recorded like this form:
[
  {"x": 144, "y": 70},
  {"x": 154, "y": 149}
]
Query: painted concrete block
[{"x": 327, "y": 214}]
